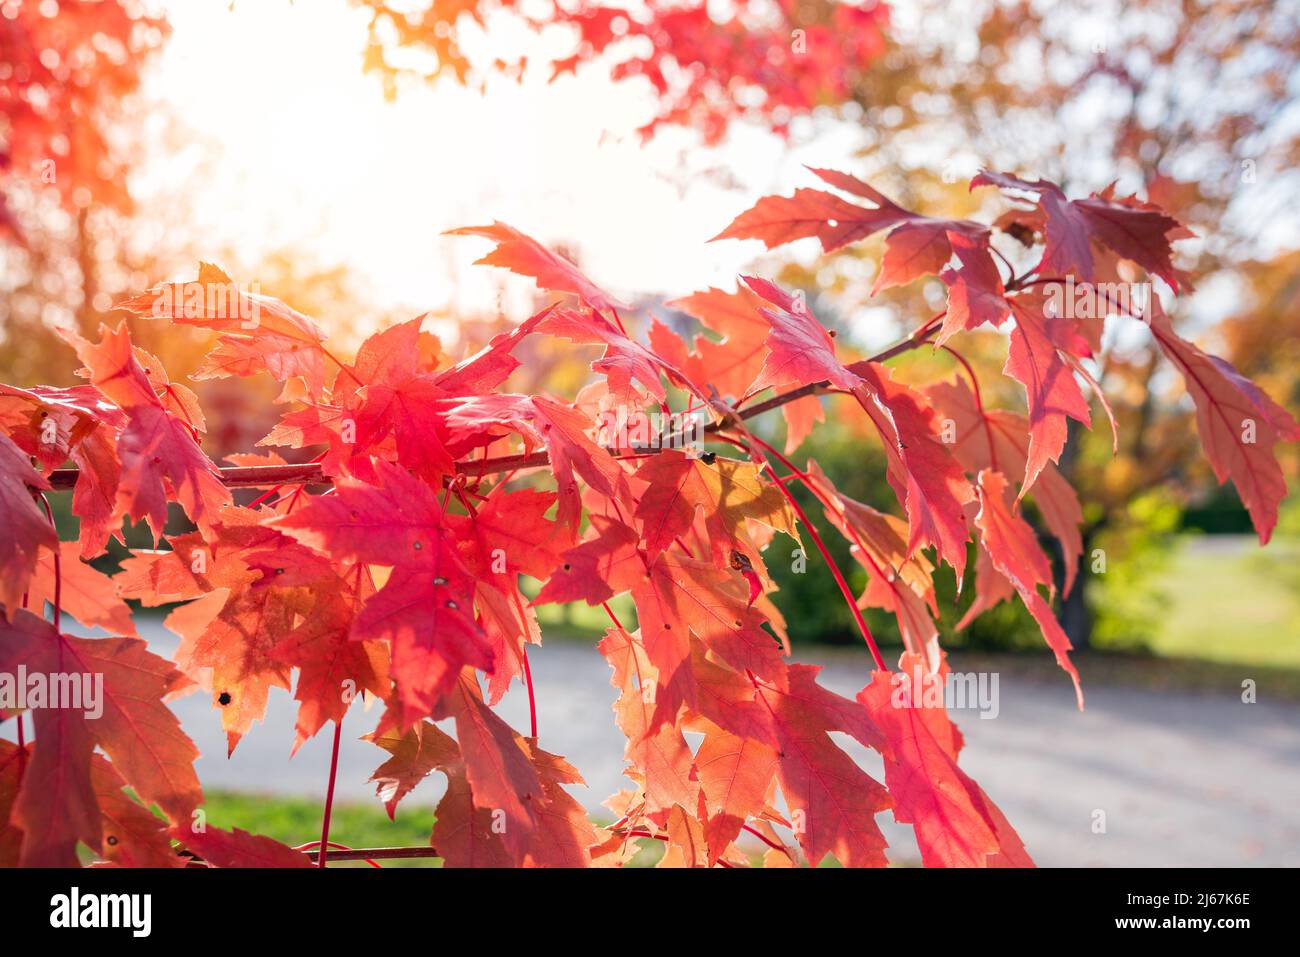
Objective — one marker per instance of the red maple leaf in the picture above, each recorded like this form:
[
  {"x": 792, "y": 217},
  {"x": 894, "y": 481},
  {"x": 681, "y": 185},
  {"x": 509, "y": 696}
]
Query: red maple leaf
[
  {"x": 1134, "y": 230},
  {"x": 156, "y": 449},
  {"x": 833, "y": 802},
  {"x": 1014, "y": 551},
  {"x": 956, "y": 823},
  {"x": 1034, "y": 359},
  {"x": 258, "y": 333},
  {"x": 425, "y": 609},
  {"x": 543, "y": 422},
  {"x": 1239, "y": 425},
  {"x": 238, "y": 848},
  {"x": 998, "y": 439},
  {"x": 56, "y": 805},
  {"x": 526, "y": 256},
  {"x": 26, "y": 529}
]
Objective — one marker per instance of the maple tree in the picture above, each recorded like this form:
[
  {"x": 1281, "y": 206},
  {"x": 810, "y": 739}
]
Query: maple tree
[
  {"x": 404, "y": 581},
  {"x": 72, "y": 142}
]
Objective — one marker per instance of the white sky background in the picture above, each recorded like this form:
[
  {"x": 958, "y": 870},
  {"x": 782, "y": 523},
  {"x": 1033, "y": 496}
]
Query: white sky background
[
  {"x": 310, "y": 155},
  {"x": 292, "y": 146}
]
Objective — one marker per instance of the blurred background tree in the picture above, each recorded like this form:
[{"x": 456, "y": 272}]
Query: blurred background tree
[
  {"x": 709, "y": 64},
  {"x": 67, "y": 74}
]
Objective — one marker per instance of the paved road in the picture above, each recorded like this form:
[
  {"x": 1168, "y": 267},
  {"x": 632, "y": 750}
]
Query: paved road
[{"x": 1182, "y": 779}]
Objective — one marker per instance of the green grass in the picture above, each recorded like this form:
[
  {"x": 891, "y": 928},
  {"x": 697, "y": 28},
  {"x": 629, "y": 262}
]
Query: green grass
[
  {"x": 295, "y": 821},
  {"x": 1241, "y": 608},
  {"x": 582, "y": 622},
  {"x": 1231, "y": 611}
]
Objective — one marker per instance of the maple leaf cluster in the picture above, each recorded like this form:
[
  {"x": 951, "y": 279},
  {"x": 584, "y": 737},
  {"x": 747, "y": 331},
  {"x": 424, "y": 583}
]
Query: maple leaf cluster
[{"x": 404, "y": 582}]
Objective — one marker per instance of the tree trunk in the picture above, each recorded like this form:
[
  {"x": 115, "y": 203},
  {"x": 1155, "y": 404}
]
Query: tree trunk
[
  {"x": 1075, "y": 615},
  {"x": 87, "y": 315}
]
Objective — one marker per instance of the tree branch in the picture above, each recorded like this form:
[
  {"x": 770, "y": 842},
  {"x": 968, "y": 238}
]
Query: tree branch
[
  {"x": 309, "y": 473},
  {"x": 373, "y": 853}
]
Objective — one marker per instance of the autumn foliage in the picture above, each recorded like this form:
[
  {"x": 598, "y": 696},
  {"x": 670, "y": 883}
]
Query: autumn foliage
[
  {"x": 707, "y": 66},
  {"x": 405, "y": 581},
  {"x": 60, "y": 78}
]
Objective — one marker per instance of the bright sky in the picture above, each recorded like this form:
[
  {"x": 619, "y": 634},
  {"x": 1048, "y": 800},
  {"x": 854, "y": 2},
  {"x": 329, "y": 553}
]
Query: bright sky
[
  {"x": 309, "y": 154},
  {"x": 290, "y": 145}
]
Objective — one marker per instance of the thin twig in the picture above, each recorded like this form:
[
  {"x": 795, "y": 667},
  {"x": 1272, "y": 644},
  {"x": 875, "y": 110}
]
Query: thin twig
[
  {"x": 374, "y": 853},
  {"x": 329, "y": 792}
]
